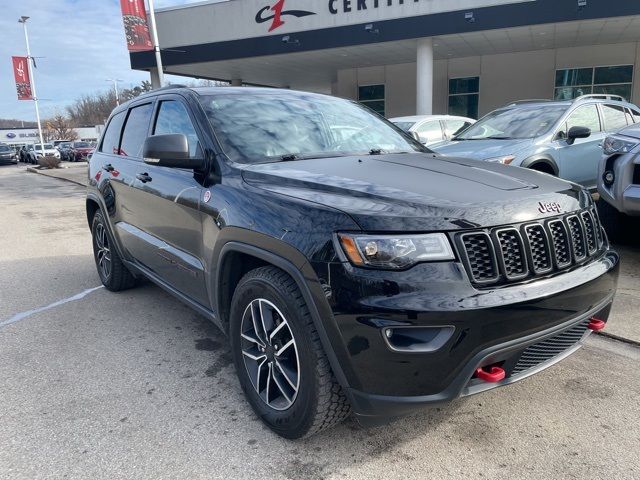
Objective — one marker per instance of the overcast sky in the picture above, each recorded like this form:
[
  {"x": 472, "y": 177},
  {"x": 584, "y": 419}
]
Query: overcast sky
[{"x": 82, "y": 44}]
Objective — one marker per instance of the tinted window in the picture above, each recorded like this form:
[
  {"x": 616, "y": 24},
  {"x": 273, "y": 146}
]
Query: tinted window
[
  {"x": 614, "y": 117},
  {"x": 173, "y": 118},
  {"x": 585, "y": 116},
  {"x": 111, "y": 138},
  {"x": 618, "y": 74},
  {"x": 636, "y": 115},
  {"x": 135, "y": 130},
  {"x": 430, "y": 131}
]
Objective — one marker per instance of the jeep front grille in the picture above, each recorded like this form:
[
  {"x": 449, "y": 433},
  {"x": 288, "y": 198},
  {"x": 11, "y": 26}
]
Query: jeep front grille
[{"x": 512, "y": 253}]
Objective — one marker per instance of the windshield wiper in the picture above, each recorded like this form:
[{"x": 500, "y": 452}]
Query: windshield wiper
[
  {"x": 375, "y": 151},
  {"x": 499, "y": 137}
]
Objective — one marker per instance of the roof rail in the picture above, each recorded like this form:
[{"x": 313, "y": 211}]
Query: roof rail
[
  {"x": 532, "y": 100},
  {"x": 600, "y": 96}
]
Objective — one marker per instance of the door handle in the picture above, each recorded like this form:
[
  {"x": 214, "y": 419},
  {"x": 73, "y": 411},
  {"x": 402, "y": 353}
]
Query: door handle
[
  {"x": 108, "y": 167},
  {"x": 144, "y": 177}
]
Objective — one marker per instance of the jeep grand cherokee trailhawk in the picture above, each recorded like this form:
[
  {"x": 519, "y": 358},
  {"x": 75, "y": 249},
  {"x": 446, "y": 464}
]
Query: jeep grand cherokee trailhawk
[{"x": 352, "y": 268}]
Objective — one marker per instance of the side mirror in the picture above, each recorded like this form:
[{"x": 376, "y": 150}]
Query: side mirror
[
  {"x": 170, "y": 150},
  {"x": 577, "y": 132}
]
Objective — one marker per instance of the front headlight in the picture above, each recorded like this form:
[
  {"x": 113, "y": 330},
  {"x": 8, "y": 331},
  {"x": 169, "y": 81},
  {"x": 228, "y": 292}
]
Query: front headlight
[
  {"x": 613, "y": 145},
  {"x": 395, "y": 251},
  {"x": 506, "y": 159}
]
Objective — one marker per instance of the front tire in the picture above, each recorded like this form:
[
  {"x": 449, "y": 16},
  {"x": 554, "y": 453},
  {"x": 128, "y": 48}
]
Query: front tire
[
  {"x": 113, "y": 273},
  {"x": 279, "y": 359}
]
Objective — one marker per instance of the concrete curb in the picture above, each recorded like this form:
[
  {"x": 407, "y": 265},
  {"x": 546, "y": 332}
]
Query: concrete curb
[{"x": 43, "y": 172}]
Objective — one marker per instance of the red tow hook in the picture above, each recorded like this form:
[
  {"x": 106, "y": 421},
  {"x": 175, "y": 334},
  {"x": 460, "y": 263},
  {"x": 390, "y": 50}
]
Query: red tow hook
[
  {"x": 492, "y": 375},
  {"x": 596, "y": 324}
]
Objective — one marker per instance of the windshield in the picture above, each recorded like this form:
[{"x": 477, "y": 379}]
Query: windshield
[
  {"x": 258, "y": 127},
  {"x": 81, "y": 145},
  {"x": 406, "y": 126},
  {"x": 4, "y": 148},
  {"x": 518, "y": 122},
  {"x": 47, "y": 146},
  {"x": 64, "y": 145}
]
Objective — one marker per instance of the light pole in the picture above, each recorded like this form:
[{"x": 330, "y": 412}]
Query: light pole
[
  {"x": 115, "y": 87},
  {"x": 156, "y": 43},
  {"x": 30, "y": 63}
]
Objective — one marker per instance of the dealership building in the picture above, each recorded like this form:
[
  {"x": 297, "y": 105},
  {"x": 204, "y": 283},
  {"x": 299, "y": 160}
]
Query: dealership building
[
  {"x": 26, "y": 135},
  {"x": 403, "y": 57}
]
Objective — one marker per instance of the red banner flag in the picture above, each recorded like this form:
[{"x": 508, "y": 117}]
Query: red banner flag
[
  {"x": 136, "y": 28},
  {"x": 21, "y": 74}
]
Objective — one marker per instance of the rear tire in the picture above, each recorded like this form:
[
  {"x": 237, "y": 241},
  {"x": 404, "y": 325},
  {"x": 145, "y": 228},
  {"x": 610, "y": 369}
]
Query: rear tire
[
  {"x": 289, "y": 385},
  {"x": 614, "y": 222},
  {"x": 113, "y": 273}
]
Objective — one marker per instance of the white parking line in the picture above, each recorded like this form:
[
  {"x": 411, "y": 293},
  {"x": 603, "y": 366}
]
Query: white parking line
[{"x": 21, "y": 316}]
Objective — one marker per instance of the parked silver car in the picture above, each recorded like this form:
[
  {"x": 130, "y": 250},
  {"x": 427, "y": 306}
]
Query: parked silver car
[
  {"x": 619, "y": 181},
  {"x": 562, "y": 138},
  {"x": 430, "y": 129}
]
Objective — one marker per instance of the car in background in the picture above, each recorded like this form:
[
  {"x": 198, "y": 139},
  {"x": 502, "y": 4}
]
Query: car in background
[
  {"x": 65, "y": 149},
  {"x": 619, "y": 181},
  {"x": 431, "y": 129},
  {"x": 561, "y": 138},
  {"x": 79, "y": 151},
  {"x": 7, "y": 155},
  {"x": 36, "y": 152}
]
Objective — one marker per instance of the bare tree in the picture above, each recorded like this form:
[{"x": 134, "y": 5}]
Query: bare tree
[{"x": 59, "y": 127}]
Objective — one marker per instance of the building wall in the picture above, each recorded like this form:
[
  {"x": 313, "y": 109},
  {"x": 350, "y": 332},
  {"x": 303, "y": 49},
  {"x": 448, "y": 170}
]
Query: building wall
[{"x": 503, "y": 77}]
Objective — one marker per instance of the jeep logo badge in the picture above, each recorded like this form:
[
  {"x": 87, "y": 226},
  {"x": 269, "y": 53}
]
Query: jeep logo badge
[{"x": 549, "y": 207}]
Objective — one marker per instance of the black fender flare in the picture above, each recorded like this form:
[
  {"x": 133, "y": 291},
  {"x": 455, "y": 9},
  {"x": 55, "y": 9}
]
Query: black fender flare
[
  {"x": 92, "y": 196},
  {"x": 312, "y": 292},
  {"x": 539, "y": 158}
]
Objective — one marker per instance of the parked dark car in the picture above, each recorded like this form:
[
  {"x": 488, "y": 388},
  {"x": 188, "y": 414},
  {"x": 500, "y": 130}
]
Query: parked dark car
[
  {"x": 7, "y": 154},
  {"x": 79, "y": 151},
  {"x": 64, "y": 148},
  {"x": 354, "y": 272}
]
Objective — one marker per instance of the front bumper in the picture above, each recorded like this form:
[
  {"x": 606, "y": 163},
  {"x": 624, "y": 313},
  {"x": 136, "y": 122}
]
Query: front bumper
[
  {"x": 489, "y": 326},
  {"x": 623, "y": 195}
]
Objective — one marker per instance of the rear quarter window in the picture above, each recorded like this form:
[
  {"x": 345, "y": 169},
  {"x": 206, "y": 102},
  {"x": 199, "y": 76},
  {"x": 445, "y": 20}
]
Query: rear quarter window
[{"x": 111, "y": 138}]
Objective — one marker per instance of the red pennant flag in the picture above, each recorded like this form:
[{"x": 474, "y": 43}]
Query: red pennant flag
[
  {"x": 21, "y": 74},
  {"x": 136, "y": 28}
]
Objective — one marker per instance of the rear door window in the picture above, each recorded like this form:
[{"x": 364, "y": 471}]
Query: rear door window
[
  {"x": 135, "y": 130},
  {"x": 430, "y": 131},
  {"x": 111, "y": 138},
  {"x": 614, "y": 117}
]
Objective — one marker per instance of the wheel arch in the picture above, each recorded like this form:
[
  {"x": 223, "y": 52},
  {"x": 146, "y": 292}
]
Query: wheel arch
[
  {"x": 544, "y": 160},
  {"x": 298, "y": 268}
]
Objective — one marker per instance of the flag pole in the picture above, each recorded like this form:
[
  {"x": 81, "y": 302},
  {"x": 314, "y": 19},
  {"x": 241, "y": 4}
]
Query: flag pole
[
  {"x": 156, "y": 43},
  {"x": 23, "y": 21}
]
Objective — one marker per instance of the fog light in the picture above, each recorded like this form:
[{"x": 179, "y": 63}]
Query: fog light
[
  {"x": 417, "y": 339},
  {"x": 608, "y": 177}
]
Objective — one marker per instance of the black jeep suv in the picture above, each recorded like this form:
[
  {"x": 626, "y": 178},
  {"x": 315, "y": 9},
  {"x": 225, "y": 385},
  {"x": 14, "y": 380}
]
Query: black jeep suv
[{"x": 351, "y": 268}]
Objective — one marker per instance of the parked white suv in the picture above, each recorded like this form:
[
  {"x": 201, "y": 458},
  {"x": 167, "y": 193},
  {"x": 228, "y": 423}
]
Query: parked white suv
[
  {"x": 431, "y": 129},
  {"x": 36, "y": 153}
]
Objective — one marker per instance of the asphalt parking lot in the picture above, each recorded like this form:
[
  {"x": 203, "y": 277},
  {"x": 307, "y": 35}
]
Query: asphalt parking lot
[{"x": 136, "y": 385}]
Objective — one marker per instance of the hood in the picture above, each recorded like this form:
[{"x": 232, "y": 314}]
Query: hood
[
  {"x": 631, "y": 131},
  {"x": 482, "y": 149},
  {"x": 417, "y": 191}
]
